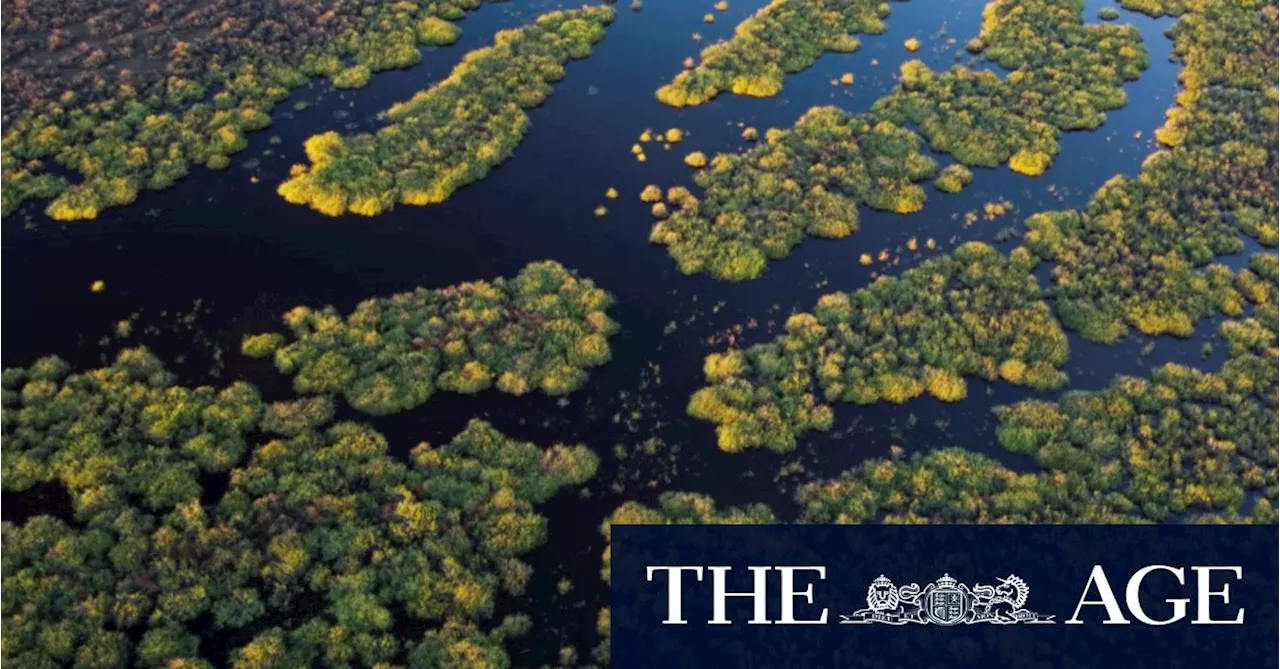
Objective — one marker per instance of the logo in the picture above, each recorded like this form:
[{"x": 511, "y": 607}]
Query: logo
[{"x": 947, "y": 602}]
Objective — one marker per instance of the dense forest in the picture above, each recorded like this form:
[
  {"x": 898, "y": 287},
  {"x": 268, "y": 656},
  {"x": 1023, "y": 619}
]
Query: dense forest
[
  {"x": 451, "y": 134},
  {"x": 309, "y": 553},
  {"x": 540, "y": 330},
  {"x": 131, "y": 95}
]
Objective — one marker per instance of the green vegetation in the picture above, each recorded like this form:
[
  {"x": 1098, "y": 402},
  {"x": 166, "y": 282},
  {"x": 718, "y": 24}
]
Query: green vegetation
[
  {"x": 810, "y": 179},
  {"x": 784, "y": 37},
  {"x": 1184, "y": 441},
  {"x": 1064, "y": 76},
  {"x": 436, "y": 32},
  {"x": 542, "y": 329},
  {"x": 451, "y": 134},
  {"x": 1140, "y": 253},
  {"x": 1183, "y": 445},
  {"x": 974, "y": 313},
  {"x": 261, "y": 345},
  {"x": 317, "y": 546},
  {"x": 146, "y": 91},
  {"x": 953, "y": 179},
  {"x": 1158, "y": 8},
  {"x": 759, "y": 204},
  {"x": 120, "y": 436}
]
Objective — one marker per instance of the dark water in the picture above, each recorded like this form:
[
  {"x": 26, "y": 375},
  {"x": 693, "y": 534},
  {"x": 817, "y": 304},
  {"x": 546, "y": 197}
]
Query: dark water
[{"x": 218, "y": 256}]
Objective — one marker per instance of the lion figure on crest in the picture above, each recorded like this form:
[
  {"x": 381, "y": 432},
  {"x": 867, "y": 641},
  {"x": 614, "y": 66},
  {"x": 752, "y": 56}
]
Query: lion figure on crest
[{"x": 881, "y": 595}]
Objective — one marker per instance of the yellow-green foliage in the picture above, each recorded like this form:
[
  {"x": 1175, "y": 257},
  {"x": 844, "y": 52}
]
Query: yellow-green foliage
[
  {"x": 356, "y": 76},
  {"x": 1064, "y": 75},
  {"x": 1184, "y": 441},
  {"x": 784, "y": 37},
  {"x": 759, "y": 204},
  {"x": 680, "y": 508},
  {"x": 144, "y": 130},
  {"x": 1159, "y": 8},
  {"x": 436, "y": 32},
  {"x": 451, "y": 134},
  {"x": 1184, "y": 445},
  {"x": 315, "y": 544},
  {"x": 953, "y": 179},
  {"x": 1140, "y": 254},
  {"x": 954, "y": 316},
  {"x": 261, "y": 345},
  {"x": 542, "y": 329}
]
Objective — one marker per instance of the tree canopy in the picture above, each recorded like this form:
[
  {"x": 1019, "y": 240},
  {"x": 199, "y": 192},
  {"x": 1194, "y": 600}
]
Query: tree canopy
[
  {"x": 759, "y": 204},
  {"x": 784, "y": 37},
  {"x": 542, "y": 329},
  {"x": 309, "y": 555},
  {"x": 1064, "y": 75},
  {"x": 452, "y": 134},
  {"x": 1181, "y": 446},
  {"x": 1141, "y": 253},
  {"x": 148, "y": 90},
  {"x": 973, "y": 313}
]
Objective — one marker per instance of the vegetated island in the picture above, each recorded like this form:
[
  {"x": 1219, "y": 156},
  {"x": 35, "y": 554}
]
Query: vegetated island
[
  {"x": 759, "y": 204},
  {"x": 452, "y": 134},
  {"x": 1181, "y": 446},
  {"x": 784, "y": 37},
  {"x": 542, "y": 329},
  {"x": 130, "y": 95},
  {"x": 318, "y": 549},
  {"x": 1140, "y": 254},
  {"x": 1064, "y": 75},
  {"x": 973, "y": 313}
]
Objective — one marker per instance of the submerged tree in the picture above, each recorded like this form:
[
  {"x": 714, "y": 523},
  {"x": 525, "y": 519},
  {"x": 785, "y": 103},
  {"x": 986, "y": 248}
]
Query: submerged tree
[
  {"x": 1140, "y": 254},
  {"x": 131, "y": 95}
]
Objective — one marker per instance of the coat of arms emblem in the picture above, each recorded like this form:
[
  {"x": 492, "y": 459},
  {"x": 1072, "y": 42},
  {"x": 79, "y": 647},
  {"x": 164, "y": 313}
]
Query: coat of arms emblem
[{"x": 946, "y": 601}]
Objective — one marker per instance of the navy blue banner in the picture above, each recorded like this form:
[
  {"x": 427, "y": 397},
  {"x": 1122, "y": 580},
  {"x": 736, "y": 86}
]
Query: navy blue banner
[{"x": 902, "y": 597}]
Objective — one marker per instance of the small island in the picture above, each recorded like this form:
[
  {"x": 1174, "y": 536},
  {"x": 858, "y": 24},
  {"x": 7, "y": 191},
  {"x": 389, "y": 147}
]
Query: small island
[
  {"x": 540, "y": 330},
  {"x": 973, "y": 313},
  {"x": 451, "y": 134},
  {"x": 784, "y": 37},
  {"x": 809, "y": 180}
]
